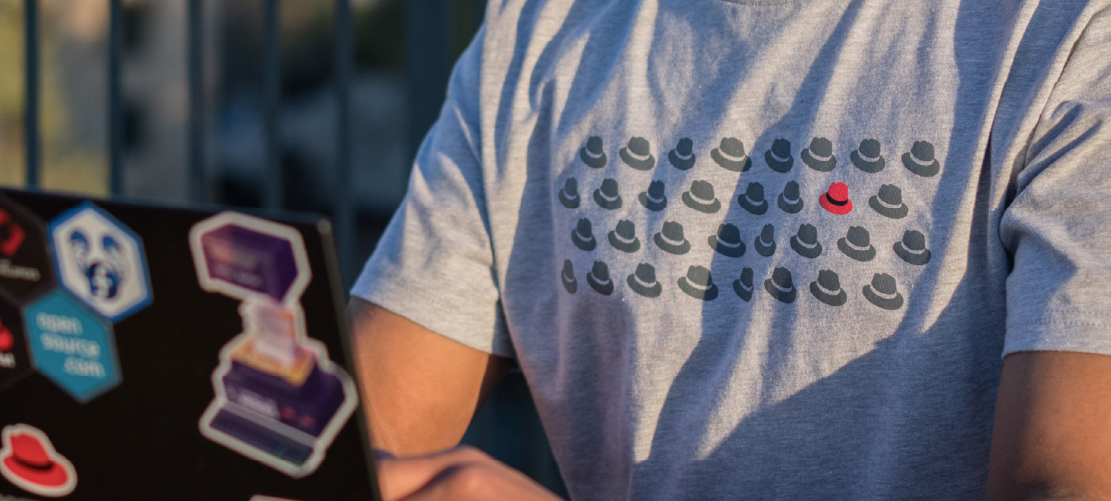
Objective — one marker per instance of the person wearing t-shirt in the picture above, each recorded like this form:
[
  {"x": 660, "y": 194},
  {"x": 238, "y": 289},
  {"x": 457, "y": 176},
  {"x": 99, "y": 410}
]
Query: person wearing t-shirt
[{"x": 769, "y": 250}]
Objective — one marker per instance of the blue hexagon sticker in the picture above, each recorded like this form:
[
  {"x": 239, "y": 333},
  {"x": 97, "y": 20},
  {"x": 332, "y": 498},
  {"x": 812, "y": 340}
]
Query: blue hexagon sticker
[
  {"x": 101, "y": 261},
  {"x": 72, "y": 346}
]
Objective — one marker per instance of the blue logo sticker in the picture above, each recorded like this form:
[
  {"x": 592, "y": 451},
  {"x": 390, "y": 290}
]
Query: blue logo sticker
[
  {"x": 72, "y": 346},
  {"x": 100, "y": 261}
]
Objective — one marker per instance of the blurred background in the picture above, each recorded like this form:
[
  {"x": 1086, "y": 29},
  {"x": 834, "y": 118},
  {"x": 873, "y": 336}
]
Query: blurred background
[{"x": 310, "y": 105}]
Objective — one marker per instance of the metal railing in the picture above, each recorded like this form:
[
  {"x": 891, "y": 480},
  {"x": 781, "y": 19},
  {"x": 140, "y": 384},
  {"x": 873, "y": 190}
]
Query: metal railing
[{"x": 273, "y": 182}]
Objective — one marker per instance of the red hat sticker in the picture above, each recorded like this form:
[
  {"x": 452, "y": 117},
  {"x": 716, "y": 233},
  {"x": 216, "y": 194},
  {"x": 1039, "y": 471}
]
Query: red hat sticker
[
  {"x": 836, "y": 199},
  {"x": 28, "y": 460}
]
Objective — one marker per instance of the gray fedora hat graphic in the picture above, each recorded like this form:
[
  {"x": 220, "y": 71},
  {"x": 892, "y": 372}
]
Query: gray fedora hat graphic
[
  {"x": 867, "y": 157},
  {"x": 582, "y": 235},
  {"x": 883, "y": 292},
  {"x": 790, "y": 200},
  {"x": 682, "y": 155},
  {"x": 827, "y": 288},
  {"x": 912, "y": 248},
  {"x": 593, "y": 155},
  {"x": 624, "y": 237},
  {"x": 806, "y": 243},
  {"x": 699, "y": 284},
  {"x": 743, "y": 286},
  {"x": 644, "y": 282},
  {"x": 728, "y": 241},
  {"x": 670, "y": 238},
  {"x": 599, "y": 278},
  {"x": 638, "y": 154},
  {"x": 701, "y": 197},
  {"x": 779, "y": 156},
  {"x": 607, "y": 196},
  {"x": 889, "y": 202},
  {"x": 819, "y": 156},
  {"x": 654, "y": 199},
  {"x": 567, "y": 276},
  {"x": 780, "y": 285},
  {"x": 753, "y": 200},
  {"x": 730, "y": 155},
  {"x": 569, "y": 195},
  {"x": 765, "y": 241},
  {"x": 857, "y": 244},
  {"x": 920, "y": 159}
]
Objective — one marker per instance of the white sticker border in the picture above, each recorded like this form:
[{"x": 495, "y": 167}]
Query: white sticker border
[
  {"x": 327, "y": 435},
  {"x": 59, "y": 278},
  {"x": 278, "y": 230},
  {"x": 50, "y": 492}
]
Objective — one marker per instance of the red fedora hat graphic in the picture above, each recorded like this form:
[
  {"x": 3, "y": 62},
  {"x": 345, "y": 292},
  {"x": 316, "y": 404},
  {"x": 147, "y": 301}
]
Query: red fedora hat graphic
[
  {"x": 28, "y": 460},
  {"x": 836, "y": 199}
]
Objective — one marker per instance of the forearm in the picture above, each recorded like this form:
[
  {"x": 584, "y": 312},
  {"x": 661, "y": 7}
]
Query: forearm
[
  {"x": 420, "y": 389},
  {"x": 1052, "y": 435}
]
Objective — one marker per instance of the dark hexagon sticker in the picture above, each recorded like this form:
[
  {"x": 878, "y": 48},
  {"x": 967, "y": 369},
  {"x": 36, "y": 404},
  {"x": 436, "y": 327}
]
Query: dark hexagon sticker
[
  {"x": 15, "y": 361},
  {"x": 26, "y": 269}
]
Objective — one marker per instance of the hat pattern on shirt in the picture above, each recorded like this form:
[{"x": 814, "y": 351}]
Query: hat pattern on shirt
[
  {"x": 643, "y": 278},
  {"x": 624, "y": 237},
  {"x": 567, "y": 277},
  {"x": 654, "y": 198},
  {"x": 593, "y": 155},
  {"x": 701, "y": 198},
  {"x": 730, "y": 155},
  {"x": 779, "y": 156},
  {"x": 682, "y": 155},
  {"x": 819, "y": 155},
  {"x": 569, "y": 195},
  {"x": 920, "y": 159},
  {"x": 638, "y": 154},
  {"x": 753, "y": 200},
  {"x": 607, "y": 196}
]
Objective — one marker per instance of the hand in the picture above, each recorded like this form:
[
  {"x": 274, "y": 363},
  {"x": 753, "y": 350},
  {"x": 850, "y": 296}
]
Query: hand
[{"x": 460, "y": 474}]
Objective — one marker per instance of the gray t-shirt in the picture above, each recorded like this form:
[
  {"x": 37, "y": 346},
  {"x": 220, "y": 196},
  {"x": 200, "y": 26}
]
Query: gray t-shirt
[{"x": 766, "y": 250}]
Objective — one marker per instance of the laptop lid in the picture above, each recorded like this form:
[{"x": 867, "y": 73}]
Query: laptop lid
[{"x": 149, "y": 352}]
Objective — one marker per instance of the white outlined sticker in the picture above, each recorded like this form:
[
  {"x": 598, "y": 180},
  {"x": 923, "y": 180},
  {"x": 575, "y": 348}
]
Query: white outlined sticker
[
  {"x": 282, "y": 413},
  {"x": 101, "y": 261},
  {"x": 240, "y": 256},
  {"x": 29, "y": 461}
]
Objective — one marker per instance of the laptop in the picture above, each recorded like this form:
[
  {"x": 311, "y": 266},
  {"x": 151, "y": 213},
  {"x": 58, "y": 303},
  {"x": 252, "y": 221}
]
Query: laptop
[{"x": 152, "y": 352}]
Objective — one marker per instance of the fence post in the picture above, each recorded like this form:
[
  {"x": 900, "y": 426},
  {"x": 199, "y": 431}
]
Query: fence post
[
  {"x": 32, "y": 141},
  {"x": 115, "y": 97},
  {"x": 273, "y": 182},
  {"x": 427, "y": 64},
  {"x": 343, "y": 53},
  {"x": 197, "y": 178}
]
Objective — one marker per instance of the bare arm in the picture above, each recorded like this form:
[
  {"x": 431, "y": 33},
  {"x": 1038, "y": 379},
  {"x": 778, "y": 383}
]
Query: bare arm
[
  {"x": 420, "y": 389},
  {"x": 1052, "y": 435}
]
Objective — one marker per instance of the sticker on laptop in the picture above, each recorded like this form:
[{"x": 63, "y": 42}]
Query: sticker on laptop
[
  {"x": 15, "y": 362},
  {"x": 280, "y": 399},
  {"x": 29, "y": 461},
  {"x": 101, "y": 261},
  {"x": 240, "y": 256},
  {"x": 72, "y": 346},
  {"x": 25, "y": 266}
]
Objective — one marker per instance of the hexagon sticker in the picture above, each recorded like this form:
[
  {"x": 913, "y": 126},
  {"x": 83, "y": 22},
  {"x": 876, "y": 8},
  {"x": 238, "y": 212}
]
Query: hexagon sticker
[
  {"x": 72, "y": 346},
  {"x": 242, "y": 256},
  {"x": 101, "y": 261},
  {"x": 15, "y": 362},
  {"x": 25, "y": 265}
]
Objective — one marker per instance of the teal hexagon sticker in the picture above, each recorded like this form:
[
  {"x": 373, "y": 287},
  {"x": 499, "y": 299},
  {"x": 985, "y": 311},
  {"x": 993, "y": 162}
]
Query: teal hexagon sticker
[{"x": 72, "y": 346}]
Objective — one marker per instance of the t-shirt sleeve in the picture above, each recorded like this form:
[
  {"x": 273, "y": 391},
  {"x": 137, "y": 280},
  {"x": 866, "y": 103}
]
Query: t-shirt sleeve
[
  {"x": 1058, "y": 226},
  {"x": 434, "y": 265}
]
